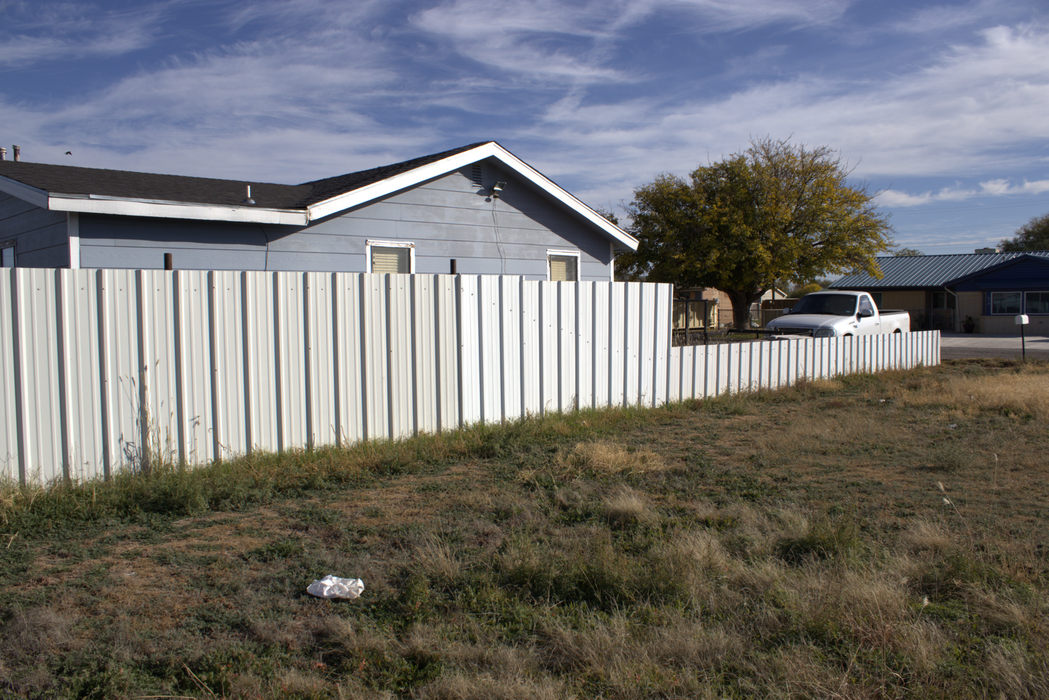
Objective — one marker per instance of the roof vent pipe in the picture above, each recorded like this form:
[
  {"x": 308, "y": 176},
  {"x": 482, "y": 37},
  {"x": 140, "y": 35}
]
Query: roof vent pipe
[
  {"x": 249, "y": 200},
  {"x": 3, "y": 153},
  {"x": 18, "y": 152}
]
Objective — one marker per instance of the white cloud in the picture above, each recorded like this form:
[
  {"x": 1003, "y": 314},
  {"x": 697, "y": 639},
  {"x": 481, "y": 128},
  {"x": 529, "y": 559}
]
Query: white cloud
[
  {"x": 991, "y": 188},
  {"x": 937, "y": 18},
  {"x": 46, "y": 32},
  {"x": 976, "y": 109},
  {"x": 732, "y": 15}
]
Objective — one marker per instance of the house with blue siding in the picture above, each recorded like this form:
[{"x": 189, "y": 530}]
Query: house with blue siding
[
  {"x": 477, "y": 209},
  {"x": 942, "y": 291}
]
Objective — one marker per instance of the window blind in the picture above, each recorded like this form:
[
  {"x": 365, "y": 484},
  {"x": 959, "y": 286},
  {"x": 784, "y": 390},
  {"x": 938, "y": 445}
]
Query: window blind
[
  {"x": 564, "y": 268},
  {"x": 397, "y": 260}
]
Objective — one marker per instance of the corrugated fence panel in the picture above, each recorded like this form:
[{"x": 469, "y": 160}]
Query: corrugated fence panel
[
  {"x": 321, "y": 412},
  {"x": 632, "y": 346},
  {"x": 601, "y": 314},
  {"x": 490, "y": 348},
  {"x": 122, "y": 367},
  {"x": 83, "y": 396},
  {"x": 663, "y": 316},
  {"x": 446, "y": 319},
  {"x": 646, "y": 390},
  {"x": 531, "y": 348},
  {"x": 510, "y": 322},
  {"x": 291, "y": 366},
  {"x": 160, "y": 361},
  {"x": 749, "y": 367},
  {"x": 565, "y": 361},
  {"x": 349, "y": 368},
  {"x": 425, "y": 350},
  {"x": 376, "y": 362},
  {"x": 194, "y": 367},
  {"x": 469, "y": 351},
  {"x": 548, "y": 354},
  {"x": 260, "y": 362},
  {"x": 109, "y": 369},
  {"x": 401, "y": 348},
  {"x": 674, "y": 371},
  {"x": 9, "y": 453},
  {"x": 584, "y": 350},
  {"x": 227, "y": 358},
  {"x": 617, "y": 352},
  {"x": 37, "y": 376}
]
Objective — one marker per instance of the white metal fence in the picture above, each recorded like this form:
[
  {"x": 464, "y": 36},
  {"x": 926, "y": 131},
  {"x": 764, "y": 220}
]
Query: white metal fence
[{"x": 101, "y": 369}]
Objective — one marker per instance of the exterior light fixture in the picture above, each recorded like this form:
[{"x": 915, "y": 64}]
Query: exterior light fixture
[{"x": 497, "y": 189}]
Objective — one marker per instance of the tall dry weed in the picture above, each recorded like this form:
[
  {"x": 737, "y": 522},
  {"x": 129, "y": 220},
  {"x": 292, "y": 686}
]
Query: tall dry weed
[
  {"x": 1016, "y": 673},
  {"x": 436, "y": 559},
  {"x": 1021, "y": 394},
  {"x": 460, "y": 685},
  {"x": 605, "y": 457},
  {"x": 925, "y": 537},
  {"x": 625, "y": 506}
]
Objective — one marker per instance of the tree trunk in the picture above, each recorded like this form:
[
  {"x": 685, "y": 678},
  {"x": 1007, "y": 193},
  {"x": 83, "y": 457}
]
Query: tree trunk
[{"x": 741, "y": 301}]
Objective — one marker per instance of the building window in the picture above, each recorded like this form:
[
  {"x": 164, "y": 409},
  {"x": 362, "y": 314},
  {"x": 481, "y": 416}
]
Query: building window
[
  {"x": 563, "y": 265},
  {"x": 1036, "y": 303},
  {"x": 1005, "y": 302},
  {"x": 390, "y": 256},
  {"x": 877, "y": 298},
  {"x": 7, "y": 254},
  {"x": 943, "y": 300}
]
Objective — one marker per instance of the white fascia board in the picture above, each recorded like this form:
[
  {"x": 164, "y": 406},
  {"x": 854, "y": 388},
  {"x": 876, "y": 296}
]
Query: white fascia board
[
  {"x": 37, "y": 198},
  {"x": 402, "y": 181},
  {"x": 174, "y": 210},
  {"x": 487, "y": 150}
]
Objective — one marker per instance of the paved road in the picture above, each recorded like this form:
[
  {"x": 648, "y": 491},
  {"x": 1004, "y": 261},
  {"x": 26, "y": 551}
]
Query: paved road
[{"x": 958, "y": 346}]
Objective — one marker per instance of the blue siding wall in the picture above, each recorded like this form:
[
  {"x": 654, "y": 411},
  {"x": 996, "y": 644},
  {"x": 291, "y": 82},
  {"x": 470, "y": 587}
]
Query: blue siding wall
[
  {"x": 140, "y": 243},
  {"x": 41, "y": 237},
  {"x": 446, "y": 218},
  {"x": 1020, "y": 275}
]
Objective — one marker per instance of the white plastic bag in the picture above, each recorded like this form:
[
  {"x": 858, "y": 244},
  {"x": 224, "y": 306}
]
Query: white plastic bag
[{"x": 335, "y": 587}]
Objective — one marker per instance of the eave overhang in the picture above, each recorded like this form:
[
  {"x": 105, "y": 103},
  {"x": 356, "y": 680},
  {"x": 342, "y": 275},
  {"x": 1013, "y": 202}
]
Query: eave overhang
[{"x": 333, "y": 206}]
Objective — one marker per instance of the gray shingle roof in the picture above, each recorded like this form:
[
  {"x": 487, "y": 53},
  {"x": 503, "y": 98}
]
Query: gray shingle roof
[
  {"x": 72, "y": 180},
  {"x": 908, "y": 272}
]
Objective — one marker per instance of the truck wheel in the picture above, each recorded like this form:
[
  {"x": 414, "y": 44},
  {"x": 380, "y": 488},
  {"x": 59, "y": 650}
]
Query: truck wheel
[{"x": 897, "y": 332}]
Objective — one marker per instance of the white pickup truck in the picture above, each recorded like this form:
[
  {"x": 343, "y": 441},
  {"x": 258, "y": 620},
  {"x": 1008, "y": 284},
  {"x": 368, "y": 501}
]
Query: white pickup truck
[{"x": 839, "y": 314}]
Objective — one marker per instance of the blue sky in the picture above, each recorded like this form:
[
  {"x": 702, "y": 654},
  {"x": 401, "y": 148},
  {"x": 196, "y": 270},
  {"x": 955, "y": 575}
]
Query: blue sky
[{"x": 942, "y": 108}]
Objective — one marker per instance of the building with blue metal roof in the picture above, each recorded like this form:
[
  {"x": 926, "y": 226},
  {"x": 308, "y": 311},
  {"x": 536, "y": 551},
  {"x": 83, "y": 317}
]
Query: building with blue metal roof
[{"x": 942, "y": 291}]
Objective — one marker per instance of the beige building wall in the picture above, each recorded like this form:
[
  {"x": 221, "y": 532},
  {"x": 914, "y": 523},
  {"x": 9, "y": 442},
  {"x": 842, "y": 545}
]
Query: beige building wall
[
  {"x": 971, "y": 304},
  {"x": 1006, "y": 325}
]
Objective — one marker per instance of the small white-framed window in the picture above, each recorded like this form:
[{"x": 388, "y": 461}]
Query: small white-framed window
[
  {"x": 390, "y": 256},
  {"x": 7, "y": 253},
  {"x": 1005, "y": 303},
  {"x": 562, "y": 265}
]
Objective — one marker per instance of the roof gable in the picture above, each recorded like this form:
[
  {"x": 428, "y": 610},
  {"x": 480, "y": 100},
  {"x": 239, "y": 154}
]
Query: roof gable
[{"x": 95, "y": 190}]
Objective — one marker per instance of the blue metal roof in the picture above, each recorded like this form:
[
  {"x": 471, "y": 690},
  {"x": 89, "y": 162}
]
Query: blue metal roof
[{"x": 926, "y": 270}]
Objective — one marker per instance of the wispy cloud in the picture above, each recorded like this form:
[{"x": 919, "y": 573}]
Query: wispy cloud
[
  {"x": 43, "y": 32},
  {"x": 990, "y": 188},
  {"x": 938, "y": 18}
]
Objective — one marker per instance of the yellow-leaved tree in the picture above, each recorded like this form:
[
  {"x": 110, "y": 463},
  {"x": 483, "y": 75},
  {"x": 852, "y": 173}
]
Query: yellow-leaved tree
[{"x": 776, "y": 211}]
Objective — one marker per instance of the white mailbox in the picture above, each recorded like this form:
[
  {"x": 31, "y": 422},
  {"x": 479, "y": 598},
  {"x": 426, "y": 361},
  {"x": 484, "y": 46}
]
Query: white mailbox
[{"x": 1022, "y": 320}]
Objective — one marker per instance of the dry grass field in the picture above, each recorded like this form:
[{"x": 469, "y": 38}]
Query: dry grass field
[{"x": 868, "y": 537}]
